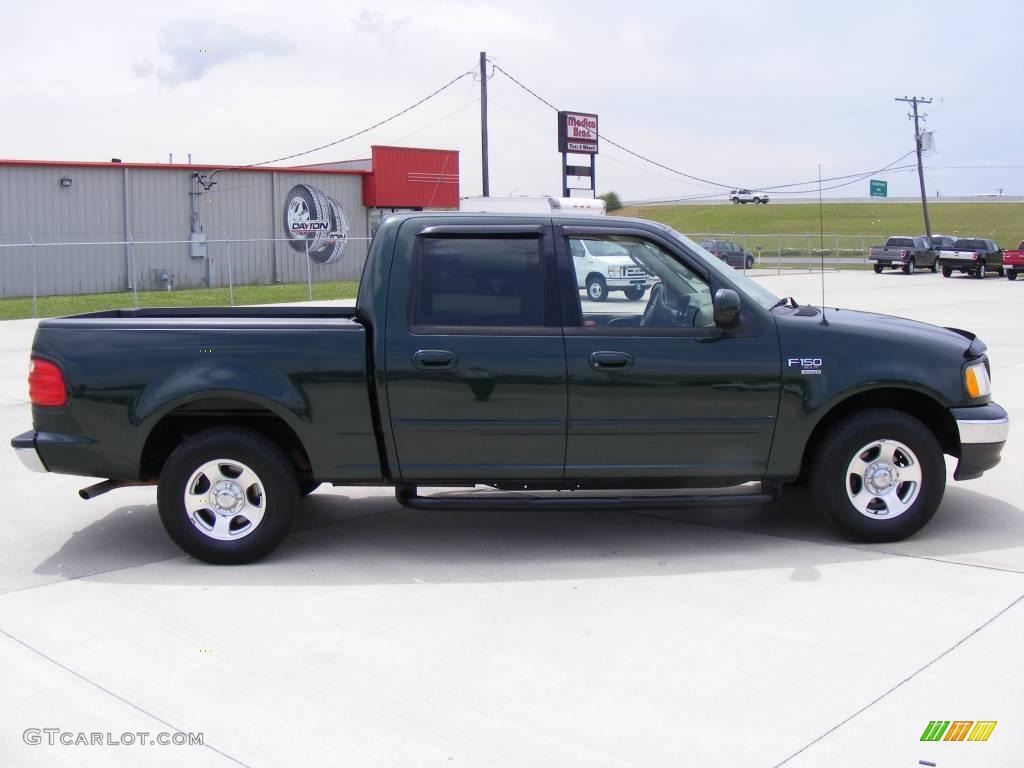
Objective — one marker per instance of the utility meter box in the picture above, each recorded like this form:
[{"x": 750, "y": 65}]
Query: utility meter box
[{"x": 197, "y": 245}]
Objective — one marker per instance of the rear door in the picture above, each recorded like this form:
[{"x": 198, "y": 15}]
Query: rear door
[
  {"x": 475, "y": 363},
  {"x": 656, "y": 391}
]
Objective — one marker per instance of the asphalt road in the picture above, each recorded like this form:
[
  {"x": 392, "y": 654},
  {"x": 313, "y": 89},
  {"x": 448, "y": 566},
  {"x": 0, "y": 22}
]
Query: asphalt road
[{"x": 379, "y": 636}]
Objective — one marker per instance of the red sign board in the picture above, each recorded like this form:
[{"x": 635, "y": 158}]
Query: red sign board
[{"x": 577, "y": 132}]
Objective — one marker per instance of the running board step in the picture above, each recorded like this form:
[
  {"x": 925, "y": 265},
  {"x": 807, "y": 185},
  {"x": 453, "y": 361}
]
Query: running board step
[{"x": 407, "y": 496}]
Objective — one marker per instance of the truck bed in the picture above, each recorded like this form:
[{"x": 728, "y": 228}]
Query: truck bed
[{"x": 305, "y": 368}]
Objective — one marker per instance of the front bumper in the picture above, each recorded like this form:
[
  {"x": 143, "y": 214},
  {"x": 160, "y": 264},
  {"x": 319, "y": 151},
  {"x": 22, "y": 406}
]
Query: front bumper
[
  {"x": 983, "y": 430},
  {"x": 24, "y": 446}
]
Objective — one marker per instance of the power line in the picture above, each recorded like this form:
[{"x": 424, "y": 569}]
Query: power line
[
  {"x": 709, "y": 182},
  {"x": 378, "y": 124}
]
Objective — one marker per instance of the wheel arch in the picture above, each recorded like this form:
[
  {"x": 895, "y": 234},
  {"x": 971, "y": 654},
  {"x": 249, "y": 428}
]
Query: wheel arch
[
  {"x": 926, "y": 409},
  {"x": 192, "y": 415}
]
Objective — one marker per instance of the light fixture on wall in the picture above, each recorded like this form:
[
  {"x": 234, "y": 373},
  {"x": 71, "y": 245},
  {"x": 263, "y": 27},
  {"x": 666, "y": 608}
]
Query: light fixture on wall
[{"x": 65, "y": 182}]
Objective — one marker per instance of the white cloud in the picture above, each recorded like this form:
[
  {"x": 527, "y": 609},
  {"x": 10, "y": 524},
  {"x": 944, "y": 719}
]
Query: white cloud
[{"x": 195, "y": 46}]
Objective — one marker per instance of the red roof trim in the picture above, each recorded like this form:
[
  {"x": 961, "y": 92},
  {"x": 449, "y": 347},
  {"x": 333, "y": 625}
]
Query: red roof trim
[
  {"x": 410, "y": 149},
  {"x": 181, "y": 167}
]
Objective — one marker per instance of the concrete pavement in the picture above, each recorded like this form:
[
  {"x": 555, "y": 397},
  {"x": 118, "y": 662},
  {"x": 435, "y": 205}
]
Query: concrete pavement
[{"x": 380, "y": 636}]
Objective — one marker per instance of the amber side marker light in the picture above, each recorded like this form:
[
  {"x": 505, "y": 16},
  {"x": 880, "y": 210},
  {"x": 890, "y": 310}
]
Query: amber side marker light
[{"x": 46, "y": 384}]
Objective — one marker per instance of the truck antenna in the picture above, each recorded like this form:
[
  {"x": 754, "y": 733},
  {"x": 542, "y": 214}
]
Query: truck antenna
[{"x": 821, "y": 246}]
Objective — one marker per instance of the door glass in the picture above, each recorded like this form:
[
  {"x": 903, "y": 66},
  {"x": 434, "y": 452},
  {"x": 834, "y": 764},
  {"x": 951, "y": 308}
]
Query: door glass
[
  {"x": 647, "y": 287},
  {"x": 479, "y": 281}
]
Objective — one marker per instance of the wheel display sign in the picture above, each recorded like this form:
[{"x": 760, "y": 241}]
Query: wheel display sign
[{"x": 316, "y": 222}]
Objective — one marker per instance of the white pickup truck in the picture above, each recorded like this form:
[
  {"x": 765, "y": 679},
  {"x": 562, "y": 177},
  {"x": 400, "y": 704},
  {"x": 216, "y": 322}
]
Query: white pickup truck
[
  {"x": 746, "y": 196},
  {"x": 603, "y": 266}
]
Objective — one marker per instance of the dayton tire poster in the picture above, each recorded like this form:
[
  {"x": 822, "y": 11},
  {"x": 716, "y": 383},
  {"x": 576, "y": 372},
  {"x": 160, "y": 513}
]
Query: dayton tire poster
[{"x": 315, "y": 221}]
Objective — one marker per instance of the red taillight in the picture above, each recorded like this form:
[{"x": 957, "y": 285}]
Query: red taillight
[
  {"x": 903, "y": 254},
  {"x": 46, "y": 384}
]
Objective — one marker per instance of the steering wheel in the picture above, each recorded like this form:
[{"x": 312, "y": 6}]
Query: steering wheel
[{"x": 661, "y": 312}]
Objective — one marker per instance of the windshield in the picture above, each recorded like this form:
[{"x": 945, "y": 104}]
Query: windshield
[
  {"x": 750, "y": 287},
  {"x": 605, "y": 248}
]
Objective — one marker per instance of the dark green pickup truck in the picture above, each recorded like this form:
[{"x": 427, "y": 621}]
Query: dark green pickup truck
[{"x": 472, "y": 358}]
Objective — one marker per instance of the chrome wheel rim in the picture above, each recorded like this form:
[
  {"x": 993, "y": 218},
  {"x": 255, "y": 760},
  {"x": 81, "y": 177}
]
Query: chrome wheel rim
[
  {"x": 883, "y": 479},
  {"x": 225, "y": 500},
  {"x": 595, "y": 290}
]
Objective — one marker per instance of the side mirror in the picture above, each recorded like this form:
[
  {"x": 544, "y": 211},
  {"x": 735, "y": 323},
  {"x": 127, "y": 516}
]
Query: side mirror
[{"x": 727, "y": 307}]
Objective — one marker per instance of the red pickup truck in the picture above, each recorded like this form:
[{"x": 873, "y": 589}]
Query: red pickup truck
[{"x": 1013, "y": 261}]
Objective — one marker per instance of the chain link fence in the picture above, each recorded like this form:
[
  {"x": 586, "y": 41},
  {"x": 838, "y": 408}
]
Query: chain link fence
[
  {"x": 172, "y": 272},
  {"x": 801, "y": 252}
]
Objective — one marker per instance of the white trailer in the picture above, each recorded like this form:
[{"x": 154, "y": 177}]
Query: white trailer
[{"x": 595, "y": 206}]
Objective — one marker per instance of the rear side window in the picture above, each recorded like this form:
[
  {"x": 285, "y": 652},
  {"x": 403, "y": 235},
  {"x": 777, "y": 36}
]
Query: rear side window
[
  {"x": 479, "y": 281},
  {"x": 967, "y": 244}
]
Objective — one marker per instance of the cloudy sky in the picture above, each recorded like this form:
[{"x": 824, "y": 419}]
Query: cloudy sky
[{"x": 742, "y": 93}]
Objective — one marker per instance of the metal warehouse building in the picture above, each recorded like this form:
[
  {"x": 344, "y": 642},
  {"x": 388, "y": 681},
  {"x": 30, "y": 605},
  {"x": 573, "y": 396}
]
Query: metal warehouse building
[{"x": 105, "y": 227}]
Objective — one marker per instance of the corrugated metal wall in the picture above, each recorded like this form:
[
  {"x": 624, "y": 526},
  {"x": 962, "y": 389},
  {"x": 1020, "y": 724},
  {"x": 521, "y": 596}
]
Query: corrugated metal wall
[{"x": 241, "y": 206}]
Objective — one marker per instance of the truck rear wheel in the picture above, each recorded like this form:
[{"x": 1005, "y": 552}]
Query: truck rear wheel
[
  {"x": 878, "y": 269},
  {"x": 947, "y": 271},
  {"x": 878, "y": 475},
  {"x": 226, "y": 496},
  {"x": 908, "y": 268},
  {"x": 635, "y": 294},
  {"x": 1011, "y": 275}
]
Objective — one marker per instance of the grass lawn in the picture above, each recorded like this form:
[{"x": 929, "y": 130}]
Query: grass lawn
[
  {"x": 53, "y": 306},
  {"x": 1002, "y": 222}
]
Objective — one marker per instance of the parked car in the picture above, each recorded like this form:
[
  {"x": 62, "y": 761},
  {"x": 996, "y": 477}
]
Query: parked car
[
  {"x": 469, "y": 358},
  {"x": 732, "y": 253},
  {"x": 906, "y": 253},
  {"x": 1013, "y": 261},
  {"x": 943, "y": 242},
  {"x": 973, "y": 256},
  {"x": 603, "y": 266},
  {"x": 746, "y": 196}
]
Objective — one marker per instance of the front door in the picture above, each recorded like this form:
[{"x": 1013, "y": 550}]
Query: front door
[
  {"x": 475, "y": 361},
  {"x": 656, "y": 390}
]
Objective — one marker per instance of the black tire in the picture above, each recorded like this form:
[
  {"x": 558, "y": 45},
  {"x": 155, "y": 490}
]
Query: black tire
[
  {"x": 935, "y": 266},
  {"x": 750, "y": 262},
  {"x": 1000, "y": 271},
  {"x": 274, "y": 472},
  {"x": 635, "y": 294},
  {"x": 306, "y": 487},
  {"x": 735, "y": 201},
  {"x": 979, "y": 273},
  {"x": 1011, "y": 275},
  {"x": 597, "y": 288},
  {"x": 878, "y": 269},
  {"x": 947, "y": 271},
  {"x": 829, "y": 478},
  {"x": 908, "y": 268}
]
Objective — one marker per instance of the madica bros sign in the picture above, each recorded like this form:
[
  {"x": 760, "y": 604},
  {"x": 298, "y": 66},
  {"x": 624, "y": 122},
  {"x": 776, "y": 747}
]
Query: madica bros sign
[{"x": 577, "y": 132}]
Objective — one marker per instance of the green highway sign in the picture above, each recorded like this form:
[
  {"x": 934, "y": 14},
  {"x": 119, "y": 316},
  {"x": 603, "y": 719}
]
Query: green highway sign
[{"x": 879, "y": 188}]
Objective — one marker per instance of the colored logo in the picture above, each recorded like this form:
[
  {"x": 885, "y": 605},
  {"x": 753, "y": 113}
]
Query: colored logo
[{"x": 958, "y": 730}]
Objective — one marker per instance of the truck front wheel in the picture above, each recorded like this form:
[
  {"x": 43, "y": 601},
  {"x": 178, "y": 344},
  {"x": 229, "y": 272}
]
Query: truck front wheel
[
  {"x": 227, "y": 496},
  {"x": 878, "y": 475},
  {"x": 597, "y": 288}
]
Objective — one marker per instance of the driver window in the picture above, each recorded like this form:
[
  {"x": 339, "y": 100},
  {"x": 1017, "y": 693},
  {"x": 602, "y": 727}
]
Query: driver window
[{"x": 627, "y": 281}]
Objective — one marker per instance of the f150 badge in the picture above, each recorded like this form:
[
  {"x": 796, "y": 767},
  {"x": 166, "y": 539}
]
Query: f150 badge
[{"x": 809, "y": 366}]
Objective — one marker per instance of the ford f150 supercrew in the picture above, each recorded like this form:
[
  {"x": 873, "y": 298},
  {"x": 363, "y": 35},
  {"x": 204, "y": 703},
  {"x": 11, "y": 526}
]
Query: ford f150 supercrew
[{"x": 473, "y": 358}]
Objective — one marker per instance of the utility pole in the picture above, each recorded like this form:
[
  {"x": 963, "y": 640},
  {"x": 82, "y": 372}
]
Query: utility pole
[
  {"x": 915, "y": 100},
  {"x": 483, "y": 124}
]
